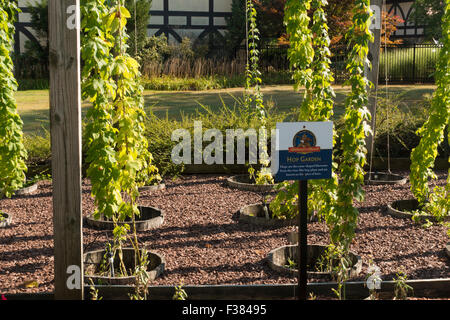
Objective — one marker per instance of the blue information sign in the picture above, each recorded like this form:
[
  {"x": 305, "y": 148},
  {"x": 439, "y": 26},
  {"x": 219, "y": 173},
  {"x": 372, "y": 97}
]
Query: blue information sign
[{"x": 303, "y": 151}]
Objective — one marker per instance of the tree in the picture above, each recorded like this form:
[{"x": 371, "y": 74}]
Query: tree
[
  {"x": 270, "y": 18},
  {"x": 35, "y": 54},
  {"x": 236, "y": 31},
  {"x": 142, "y": 17},
  {"x": 388, "y": 28},
  {"x": 428, "y": 13},
  {"x": 271, "y": 13}
]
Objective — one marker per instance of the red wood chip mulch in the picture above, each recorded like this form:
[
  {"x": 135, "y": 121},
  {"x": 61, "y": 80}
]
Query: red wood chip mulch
[{"x": 203, "y": 242}]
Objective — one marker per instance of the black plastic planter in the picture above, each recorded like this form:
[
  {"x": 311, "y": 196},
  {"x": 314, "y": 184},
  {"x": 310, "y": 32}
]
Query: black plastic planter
[
  {"x": 244, "y": 182},
  {"x": 404, "y": 208},
  {"x": 255, "y": 214},
  {"x": 150, "y": 218},
  {"x": 278, "y": 260},
  {"x": 93, "y": 263},
  {"x": 378, "y": 178},
  {"x": 27, "y": 190},
  {"x": 154, "y": 188}
]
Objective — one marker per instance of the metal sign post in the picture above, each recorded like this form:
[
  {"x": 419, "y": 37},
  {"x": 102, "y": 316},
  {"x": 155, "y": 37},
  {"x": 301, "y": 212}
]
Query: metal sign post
[{"x": 302, "y": 238}]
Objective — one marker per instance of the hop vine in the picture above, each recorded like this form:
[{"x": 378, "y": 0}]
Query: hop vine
[
  {"x": 356, "y": 128},
  {"x": 253, "y": 97},
  {"x": 12, "y": 150},
  {"x": 117, "y": 148},
  {"x": 432, "y": 134},
  {"x": 309, "y": 57}
]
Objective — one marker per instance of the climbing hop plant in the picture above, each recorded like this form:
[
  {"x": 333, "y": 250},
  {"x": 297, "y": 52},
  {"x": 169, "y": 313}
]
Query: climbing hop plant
[
  {"x": 309, "y": 57},
  {"x": 117, "y": 147},
  {"x": 432, "y": 134},
  {"x": 253, "y": 97},
  {"x": 12, "y": 150},
  {"x": 301, "y": 56},
  {"x": 356, "y": 128},
  {"x": 99, "y": 87}
]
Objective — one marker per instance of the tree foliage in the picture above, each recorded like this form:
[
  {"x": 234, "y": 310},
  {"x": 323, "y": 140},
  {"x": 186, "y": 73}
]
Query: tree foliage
[
  {"x": 236, "y": 26},
  {"x": 272, "y": 13},
  {"x": 137, "y": 24},
  {"x": 429, "y": 14}
]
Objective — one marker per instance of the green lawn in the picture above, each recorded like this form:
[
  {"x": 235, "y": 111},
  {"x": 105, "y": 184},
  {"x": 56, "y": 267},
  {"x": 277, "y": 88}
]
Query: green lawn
[{"x": 34, "y": 105}]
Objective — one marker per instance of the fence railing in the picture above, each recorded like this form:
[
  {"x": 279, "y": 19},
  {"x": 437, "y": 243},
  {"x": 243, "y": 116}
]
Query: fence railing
[{"x": 414, "y": 63}]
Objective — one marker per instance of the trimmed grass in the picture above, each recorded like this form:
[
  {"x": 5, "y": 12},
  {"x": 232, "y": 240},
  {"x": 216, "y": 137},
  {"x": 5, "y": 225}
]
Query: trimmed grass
[{"x": 33, "y": 105}]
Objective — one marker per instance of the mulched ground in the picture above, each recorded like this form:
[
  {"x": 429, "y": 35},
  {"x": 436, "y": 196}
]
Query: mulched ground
[{"x": 203, "y": 242}]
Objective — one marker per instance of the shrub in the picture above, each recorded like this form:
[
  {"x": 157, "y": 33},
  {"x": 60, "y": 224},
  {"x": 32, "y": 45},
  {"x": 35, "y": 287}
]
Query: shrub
[
  {"x": 159, "y": 130},
  {"x": 39, "y": 153},
  {"x": 401, "y": 122},
  {"x": 33, "y": 84}
]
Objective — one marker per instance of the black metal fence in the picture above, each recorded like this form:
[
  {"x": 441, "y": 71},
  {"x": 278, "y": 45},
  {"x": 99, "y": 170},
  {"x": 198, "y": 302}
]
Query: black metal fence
[
  {"x": 414, "y": 63},
  {"x": 409, "y": 63}
]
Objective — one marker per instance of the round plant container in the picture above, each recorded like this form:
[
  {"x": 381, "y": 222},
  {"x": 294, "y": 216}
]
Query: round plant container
[
  {"x": 278, "y": 260},
  {"x": 27, "y": 190},
  {"x": 150, "y": 218},
  {"x": 404, "y": 209},
  {"x": 255, "y": 214},
  {"x": 93, "y": 263},
  {"x": 378, "y": 178},
  {"x": 293, "y": 237},
  {"x": 244, "y": 182},
  {"x": 154, "y": 188},
  {"x": 6, "y": 220}
]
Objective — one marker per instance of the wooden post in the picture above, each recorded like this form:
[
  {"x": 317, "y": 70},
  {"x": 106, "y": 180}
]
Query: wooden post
[
  {"x": 65, "y": 120},
  {"x": 373, "y": 73}
]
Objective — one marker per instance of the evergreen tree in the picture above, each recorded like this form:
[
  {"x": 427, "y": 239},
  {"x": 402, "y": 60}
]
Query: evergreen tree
[
  {"x": 236, "y": 32},
  {"x": 137, "y": 31}
]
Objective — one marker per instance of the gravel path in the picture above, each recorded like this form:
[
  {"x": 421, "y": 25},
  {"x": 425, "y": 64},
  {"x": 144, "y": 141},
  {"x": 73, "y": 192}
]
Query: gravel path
[{"x": 203, "y": 242}]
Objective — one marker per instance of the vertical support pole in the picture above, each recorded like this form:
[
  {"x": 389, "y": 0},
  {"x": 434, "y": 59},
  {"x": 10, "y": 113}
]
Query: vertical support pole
[
  {"x": 166, "y": 19},
  {"x": 302, "y": 238},
  {"x": 373, "y": 73},
  {"x": 65, "y": 122},
  {"x": 414, "y": 63}
]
